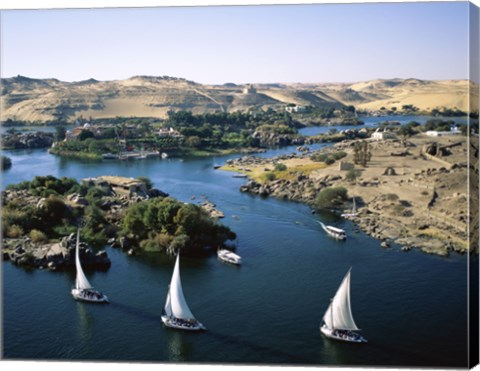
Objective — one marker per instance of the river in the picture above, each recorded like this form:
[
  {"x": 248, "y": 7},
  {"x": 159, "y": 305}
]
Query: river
[{"x": 410, "y": 306}]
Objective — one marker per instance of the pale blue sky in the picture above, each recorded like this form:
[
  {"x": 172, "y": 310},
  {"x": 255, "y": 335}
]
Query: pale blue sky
[{"x": 301, "y": 43}]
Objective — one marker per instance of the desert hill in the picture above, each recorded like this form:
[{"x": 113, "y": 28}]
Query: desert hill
[{"x": 29, "y": 99}]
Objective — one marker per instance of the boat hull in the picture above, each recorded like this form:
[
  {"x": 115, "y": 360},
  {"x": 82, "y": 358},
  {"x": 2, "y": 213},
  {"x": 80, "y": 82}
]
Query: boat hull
[
  {"x": 348, "y": 336},
  {"x": 173, "y": 323},
  {"x": 90, "y": 296},
  {"x": 349, "y": 215},
  {"x": 229, "y": 257},
  {"x": 338, "y": 234}
]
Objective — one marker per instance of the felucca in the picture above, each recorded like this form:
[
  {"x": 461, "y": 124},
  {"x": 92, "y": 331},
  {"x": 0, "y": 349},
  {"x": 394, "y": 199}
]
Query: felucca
[
  {"x": 338, "y": 321},
  {"x": 353, "y": 213},
  {"x": 176, "y": 313},
  {"x": 83, "y": 290}
]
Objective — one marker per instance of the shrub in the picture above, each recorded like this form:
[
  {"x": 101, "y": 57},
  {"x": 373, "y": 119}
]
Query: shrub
[
  {"x": 318, "y": 157},
  {"x": 329, "y": 160},
  {"x": 270, "y": 176},
  {"x": 391, "y": 197},
  {"x": 280, "y": 167},
  {"x": 338, "y": 155},
  {"x": 14, "y": 231},
  {"x": 38, "y": 236},
  {"x": 331, "y": 197},
  {"x": 352, "y": 175}
]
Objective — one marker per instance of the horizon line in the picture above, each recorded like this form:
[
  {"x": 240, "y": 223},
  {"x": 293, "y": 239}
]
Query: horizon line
[{"x": 237, "y": 83}]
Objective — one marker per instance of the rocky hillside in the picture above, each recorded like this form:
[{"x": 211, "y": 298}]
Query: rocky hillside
[{"x": 29, "y": 99}]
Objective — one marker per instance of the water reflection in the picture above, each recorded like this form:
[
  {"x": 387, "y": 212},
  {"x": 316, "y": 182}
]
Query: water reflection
[
  {"x": 179, "y": 349},
  {"x": 85, "y": 324}
]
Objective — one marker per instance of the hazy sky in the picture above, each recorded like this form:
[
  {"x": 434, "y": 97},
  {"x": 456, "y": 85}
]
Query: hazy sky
[{"x": 276, "y": 43}]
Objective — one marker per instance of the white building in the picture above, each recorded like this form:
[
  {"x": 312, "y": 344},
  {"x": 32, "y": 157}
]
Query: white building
[
  {"x": 168, "y": 133},
  {"x": 382, "y": 135},
  {"x": 434, "y": 133},
  {"x": 295, "y": 108}
]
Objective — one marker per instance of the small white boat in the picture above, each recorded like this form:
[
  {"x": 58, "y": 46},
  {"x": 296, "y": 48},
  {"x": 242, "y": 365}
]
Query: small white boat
[
  {"x": 229, "y": 257},
  {"x": 334, "y": 232},
  {"x": 176, "y": 313},
  {"x": 164, "y": 155},
  {"x": 83, "y": 290},
  {"x": 240, "y": 176},
  {"x": 353, "y": 213},
  {"x": 109, "y": 156},
  {"x": 338, "y": 321}
]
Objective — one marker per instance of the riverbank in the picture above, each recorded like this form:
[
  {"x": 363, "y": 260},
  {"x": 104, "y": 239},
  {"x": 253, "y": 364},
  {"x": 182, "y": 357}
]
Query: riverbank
[{"x": 404, "y": 196}]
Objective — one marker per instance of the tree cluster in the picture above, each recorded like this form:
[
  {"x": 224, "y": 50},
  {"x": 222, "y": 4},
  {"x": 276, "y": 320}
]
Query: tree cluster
[
  {"x": 361, "y": 153},
  {"x": 331, "y": 197},
  {"x": 166, "y": 225},
  {"x": 228, "y": 130},
  {"x": 156, "y": 224}
]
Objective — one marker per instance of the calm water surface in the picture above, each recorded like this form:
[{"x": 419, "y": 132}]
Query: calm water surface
[{"x": 410, "y": 306}]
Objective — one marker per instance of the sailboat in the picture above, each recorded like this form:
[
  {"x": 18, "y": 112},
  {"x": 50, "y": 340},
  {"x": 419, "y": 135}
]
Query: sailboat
[
  {"x": 334, "y": 232},
  {"x": 83, "y": 290},
  {"x": 353, "y": 212},
  {"x": 338, "y": 321},
  {"x": 176, "y": 313}
]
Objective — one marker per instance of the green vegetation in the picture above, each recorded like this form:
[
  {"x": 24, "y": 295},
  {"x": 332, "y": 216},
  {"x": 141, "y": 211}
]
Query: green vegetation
[
  {"x": 352, "y": 175},
  {"x": 156, "y": 224},
  {"x": 194, "y": 134},
  {"x": 329, "y": 198},
  {"x": 280, "y": 167},
  {"x": 361, "y": 153},
  {"x": 408, "y": 130},
  {"x": 391, "y": 197},
  {"x": 229, "y": 130},
  {"x": 442, "y": 125},
  {"x": 38, "y": 236},
  {"x": 328, "y": 158},
  {"x": 270, "y": 176},
  {"x": 448, "y": 112},
  {"x": 163, "y": 224}
]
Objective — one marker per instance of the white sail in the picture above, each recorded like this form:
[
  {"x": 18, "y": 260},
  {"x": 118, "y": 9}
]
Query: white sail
[
  {"x": 81, "y": 281},
  {"x": 339, "y": 313},
  {"x": 168, "y": 305},
  {"x": 354, "y": 207},
  {"x": 178, "y": 305}
]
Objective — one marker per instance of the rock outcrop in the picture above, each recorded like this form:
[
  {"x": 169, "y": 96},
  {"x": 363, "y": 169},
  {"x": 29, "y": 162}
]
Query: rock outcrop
[
  {"x": 39, "y": 139},
  {"x": 59, "y": 255}
]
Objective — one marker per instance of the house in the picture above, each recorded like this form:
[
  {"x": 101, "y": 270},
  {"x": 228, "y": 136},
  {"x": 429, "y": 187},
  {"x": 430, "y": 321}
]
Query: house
[
  {"x": 75, "y": 132},
  {"x": 168, "y": 133},
  {"x": 296, "y": 109},
  {"x": 382, "y": 135},
  {"x": 434, "y": 133}
]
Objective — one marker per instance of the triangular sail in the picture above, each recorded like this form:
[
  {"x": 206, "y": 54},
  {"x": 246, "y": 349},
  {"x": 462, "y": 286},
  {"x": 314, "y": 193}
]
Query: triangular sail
[
  {"x": 354, "y": 207},
  {"x": 339, "y": 313},
  {"x": 168, "y": 305},
  {"x": 81, "y": 281},
  {"x": 179, "y": 307}
]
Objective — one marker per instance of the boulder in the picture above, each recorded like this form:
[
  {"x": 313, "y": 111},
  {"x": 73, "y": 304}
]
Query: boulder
[{"x": 123, "y": 242}]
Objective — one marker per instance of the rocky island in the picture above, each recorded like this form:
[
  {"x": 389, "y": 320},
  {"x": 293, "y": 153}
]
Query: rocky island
[{"x": 40, "y": 218}]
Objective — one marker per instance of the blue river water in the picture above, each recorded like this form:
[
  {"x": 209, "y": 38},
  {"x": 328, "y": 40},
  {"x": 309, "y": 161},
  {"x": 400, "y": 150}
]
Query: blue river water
[{"x": 412, "y": 307}]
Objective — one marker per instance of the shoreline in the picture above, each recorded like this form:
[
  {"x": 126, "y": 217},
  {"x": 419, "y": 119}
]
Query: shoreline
[{"x": 422, "y": 205}]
